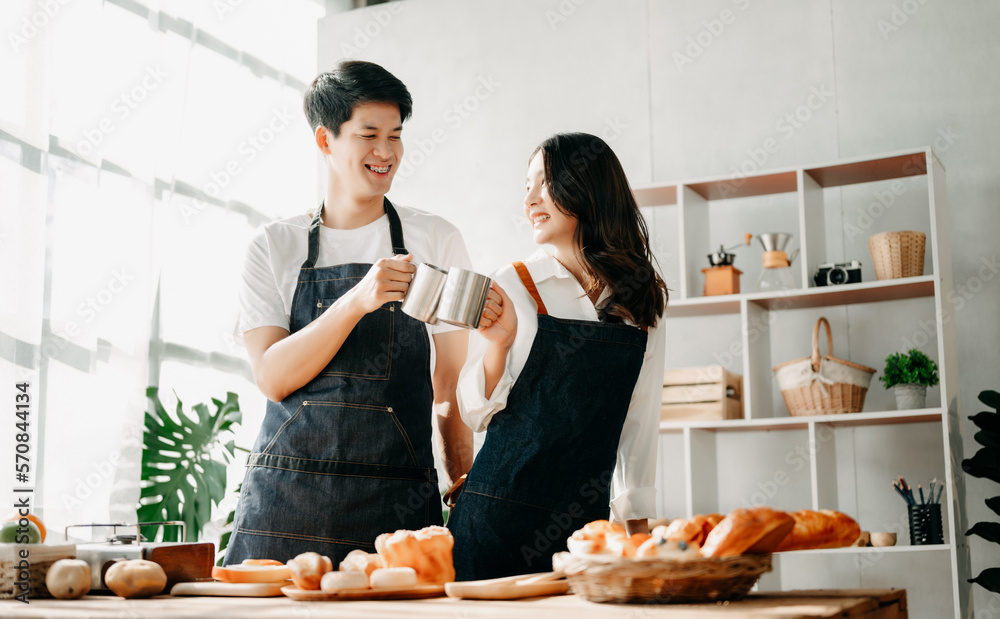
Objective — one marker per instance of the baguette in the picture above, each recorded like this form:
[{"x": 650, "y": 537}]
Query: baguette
[{"x": 820, "y": 529}]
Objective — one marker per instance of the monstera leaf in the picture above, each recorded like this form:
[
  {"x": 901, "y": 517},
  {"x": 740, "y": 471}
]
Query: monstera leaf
[
  {"x": 181, "y": 479},
  {"x": 988, "y": 579},
  {"x": 986, "y": 464}
]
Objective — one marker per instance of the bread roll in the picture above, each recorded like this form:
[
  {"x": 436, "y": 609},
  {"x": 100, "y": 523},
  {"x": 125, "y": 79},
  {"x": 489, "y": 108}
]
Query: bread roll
[
  {"x": 820, "y": 529},
  {"x": 758, "y": 529},
  {"x": 361, "y": 561},
  {"x": 351, "y": 579},
  {"x": 308, "y": 569},
  {"x": 393, "y": 578},
  {"x": 592, "y": 538},
  {"x": 692, "y": 530},
  {"x": 427, "y": 551},
  {"x": 621, "y": 545},
  {"x": 662, "y": 548}
]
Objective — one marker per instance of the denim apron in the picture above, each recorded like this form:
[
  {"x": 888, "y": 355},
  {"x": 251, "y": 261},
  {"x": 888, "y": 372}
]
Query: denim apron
[
  {"x": 545, "y": 467},
  {"x": 348, "y": 456}
]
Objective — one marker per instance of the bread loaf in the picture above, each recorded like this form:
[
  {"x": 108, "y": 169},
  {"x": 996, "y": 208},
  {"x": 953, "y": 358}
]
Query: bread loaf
[
  {"x": 820, "y": 529},
  {"x": 756, "y": 530},
  {"x": 428, "y": 551}
]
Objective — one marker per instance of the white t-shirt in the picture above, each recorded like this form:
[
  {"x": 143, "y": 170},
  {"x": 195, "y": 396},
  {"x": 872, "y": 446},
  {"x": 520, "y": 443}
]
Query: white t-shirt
[
  {"x": 278, "y": 249},
  {"x": 633, "y": 486}
]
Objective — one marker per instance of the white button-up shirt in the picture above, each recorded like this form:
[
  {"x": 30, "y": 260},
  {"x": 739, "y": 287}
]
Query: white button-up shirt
[{"x": 633, "y": 486}]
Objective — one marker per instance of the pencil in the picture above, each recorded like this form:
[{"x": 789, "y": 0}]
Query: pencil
[
  {"x": 900, "y": 492},
  {"x": 920, "y": 489},
  {"x": 940, "y": 490},
  {"x": 930, "y": 496}
]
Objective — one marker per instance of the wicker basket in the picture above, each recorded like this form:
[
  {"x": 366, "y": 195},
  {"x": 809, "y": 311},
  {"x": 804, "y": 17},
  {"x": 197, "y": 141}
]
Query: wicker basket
[
  {"x": 897, "y": 254},
  {"x": 823, "y": 385},
  {"x": 41, "y": 557},
  {"x": 662, "y": 581}
]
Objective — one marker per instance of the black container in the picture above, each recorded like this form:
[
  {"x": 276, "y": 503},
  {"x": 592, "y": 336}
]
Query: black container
[{"x": 925, "y": 524}]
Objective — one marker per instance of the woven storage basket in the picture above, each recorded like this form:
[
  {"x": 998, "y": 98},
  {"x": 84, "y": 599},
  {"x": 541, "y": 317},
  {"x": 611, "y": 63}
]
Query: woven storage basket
[
  {"x": 41, "y": 557},
  {"x": 823, "y": 385},
  {"x": 897, "y": 254},
  {"x": 662, "y": 581}
]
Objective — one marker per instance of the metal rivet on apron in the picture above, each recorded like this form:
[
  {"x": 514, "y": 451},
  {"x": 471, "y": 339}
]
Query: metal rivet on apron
[{"x": 319, "y": 304}]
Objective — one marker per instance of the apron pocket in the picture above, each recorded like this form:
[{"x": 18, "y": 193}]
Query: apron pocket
[
  {"x": 345, "y": 432},
  {"x": 368, "y": 350}
]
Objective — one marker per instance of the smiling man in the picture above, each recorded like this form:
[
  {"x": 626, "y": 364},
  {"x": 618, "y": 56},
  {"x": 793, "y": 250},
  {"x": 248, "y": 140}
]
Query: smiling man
[{"x": 345, "y": 451}]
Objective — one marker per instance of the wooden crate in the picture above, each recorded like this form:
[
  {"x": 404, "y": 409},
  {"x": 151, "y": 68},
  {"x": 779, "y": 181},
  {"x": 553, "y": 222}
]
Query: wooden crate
[{"x": 701, "y": 394}]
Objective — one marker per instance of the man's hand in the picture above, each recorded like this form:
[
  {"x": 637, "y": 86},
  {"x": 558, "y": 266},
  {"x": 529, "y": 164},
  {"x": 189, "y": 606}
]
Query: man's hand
[{"x": 387, "y": 280}]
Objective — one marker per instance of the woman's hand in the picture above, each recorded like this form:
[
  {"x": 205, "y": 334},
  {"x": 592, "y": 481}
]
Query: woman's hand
[
  {"x": 498, "y": 323},
  {"x": 387, "y": 280}
]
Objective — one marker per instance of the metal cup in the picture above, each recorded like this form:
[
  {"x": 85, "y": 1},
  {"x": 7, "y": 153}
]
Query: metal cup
[
  {"x": 463, "y": 298},
  {"x": 424, "y": 294}
]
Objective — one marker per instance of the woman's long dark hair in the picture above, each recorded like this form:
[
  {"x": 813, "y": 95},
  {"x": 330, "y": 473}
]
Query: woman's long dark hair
[{"x": 586, "y": 181}]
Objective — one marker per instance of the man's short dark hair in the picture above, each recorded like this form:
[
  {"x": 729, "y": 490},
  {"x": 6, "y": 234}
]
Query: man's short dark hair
[{"x": 331, "y": 98}]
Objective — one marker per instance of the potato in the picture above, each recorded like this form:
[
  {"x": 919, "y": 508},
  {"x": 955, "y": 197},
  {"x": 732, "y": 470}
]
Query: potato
[
  {"x": 136, "y": 578},
  {"x": 68, "y": 579}
]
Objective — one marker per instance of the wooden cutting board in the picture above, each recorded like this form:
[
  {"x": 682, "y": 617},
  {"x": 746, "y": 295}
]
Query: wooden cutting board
[
  {"x": 477, "y": 590},
  {"x": 229, "y": 589},
  {"x": 407, "y": 593}
]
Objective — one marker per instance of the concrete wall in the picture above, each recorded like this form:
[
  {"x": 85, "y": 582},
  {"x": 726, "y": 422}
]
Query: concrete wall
[{"x": 687, "y": 89}]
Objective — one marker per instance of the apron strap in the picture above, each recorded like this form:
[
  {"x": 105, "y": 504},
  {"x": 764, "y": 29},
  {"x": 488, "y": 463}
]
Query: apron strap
[
  {"x": 395, "y": 233},
  {"x": 522, "y": 272},
  {"x": 314, "y": 239}
]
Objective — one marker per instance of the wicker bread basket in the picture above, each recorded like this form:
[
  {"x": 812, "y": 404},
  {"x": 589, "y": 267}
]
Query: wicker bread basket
[
  {"x": 823, "y": 385},
  {"x": 40, "y": 559},
  {"x": 663, "y": 581},
  {"x": 897, "y": 254}
]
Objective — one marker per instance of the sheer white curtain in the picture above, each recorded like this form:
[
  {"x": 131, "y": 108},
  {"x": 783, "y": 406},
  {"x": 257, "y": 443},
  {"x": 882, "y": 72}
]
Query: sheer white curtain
[{"x": 141, "y": 142}]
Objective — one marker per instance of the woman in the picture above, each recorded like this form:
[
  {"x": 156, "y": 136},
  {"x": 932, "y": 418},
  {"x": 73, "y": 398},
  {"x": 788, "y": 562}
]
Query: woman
[{"x": 567, "y": 374}]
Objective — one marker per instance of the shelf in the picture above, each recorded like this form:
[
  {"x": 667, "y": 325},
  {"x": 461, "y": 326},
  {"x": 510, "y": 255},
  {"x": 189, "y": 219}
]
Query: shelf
[
  {"x": 870, "y": 170},
  {"x": 922, "y": 415},
  {"x": 866, "y": 549},
  {"x": 824, "y": 296},
  {"x": 899, "y": 164}
]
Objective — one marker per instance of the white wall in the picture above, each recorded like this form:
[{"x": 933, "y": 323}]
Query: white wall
[{"x": 881, "y": 75}]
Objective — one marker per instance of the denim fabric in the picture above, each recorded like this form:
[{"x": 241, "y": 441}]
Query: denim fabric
[
  {"x": 545, "y": 467},
  {"x": 348, "y": 456}
]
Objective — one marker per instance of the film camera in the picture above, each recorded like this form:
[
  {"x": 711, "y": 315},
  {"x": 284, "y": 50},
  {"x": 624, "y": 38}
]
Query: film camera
[{"x": 837, "y": 273}]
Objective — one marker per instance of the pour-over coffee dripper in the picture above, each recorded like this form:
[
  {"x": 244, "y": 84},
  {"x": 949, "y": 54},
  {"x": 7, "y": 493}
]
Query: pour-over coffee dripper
[{"x": 776, "y": 274}]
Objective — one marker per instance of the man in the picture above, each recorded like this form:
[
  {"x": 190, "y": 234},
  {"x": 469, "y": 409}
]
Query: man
[{"x": 345, "y": 450}]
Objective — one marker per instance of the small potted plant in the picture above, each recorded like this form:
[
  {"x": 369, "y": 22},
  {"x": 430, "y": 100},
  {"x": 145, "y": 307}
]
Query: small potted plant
[{"x": 909, "y": 375}]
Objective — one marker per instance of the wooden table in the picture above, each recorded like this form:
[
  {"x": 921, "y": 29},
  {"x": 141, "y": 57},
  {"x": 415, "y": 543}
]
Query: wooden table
[{"x": 854, "y": 604}]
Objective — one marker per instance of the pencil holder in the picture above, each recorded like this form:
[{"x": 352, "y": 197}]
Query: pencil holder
[{"x": 925, "y": 524}]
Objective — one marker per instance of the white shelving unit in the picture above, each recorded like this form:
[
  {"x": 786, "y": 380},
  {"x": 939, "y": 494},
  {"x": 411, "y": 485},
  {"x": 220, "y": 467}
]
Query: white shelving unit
[{"x": 842, "y": 462}]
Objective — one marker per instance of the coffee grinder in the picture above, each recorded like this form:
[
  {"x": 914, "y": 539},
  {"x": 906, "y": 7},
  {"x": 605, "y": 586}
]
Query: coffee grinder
[{"x": 722, "y": 277}]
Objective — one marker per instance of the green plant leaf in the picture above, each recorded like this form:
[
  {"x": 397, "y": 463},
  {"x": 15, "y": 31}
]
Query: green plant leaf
[
  {"x": 181, "y": 480},
  {"x": 994, "y": 504},
  {"x": 912, "y": 367},
  {"x": 989, "y": 531},
  {"x": 988, "y": 439},
  {"x": 984, "y": 463},
  {"x": 987, "y": 421},
  {"x": 988, "y": 579},
  {"x": 990, "y": 398}
]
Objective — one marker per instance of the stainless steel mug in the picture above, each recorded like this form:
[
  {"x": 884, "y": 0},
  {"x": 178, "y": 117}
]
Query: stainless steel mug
[
  {"x": 424, "y": 294},
  {"x": 463, "y": 298}
]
